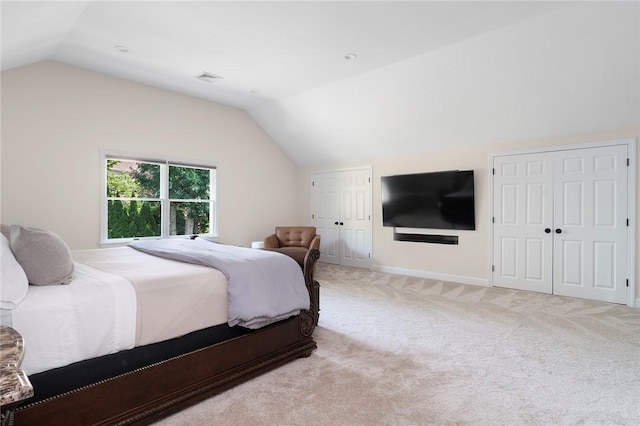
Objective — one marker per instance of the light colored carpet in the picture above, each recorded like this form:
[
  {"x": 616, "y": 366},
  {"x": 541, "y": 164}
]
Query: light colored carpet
[{"x": 396, "y": 350}]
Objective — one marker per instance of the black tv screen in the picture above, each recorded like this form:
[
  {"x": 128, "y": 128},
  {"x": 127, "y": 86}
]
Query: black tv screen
[{"x": 438, "y": 200}]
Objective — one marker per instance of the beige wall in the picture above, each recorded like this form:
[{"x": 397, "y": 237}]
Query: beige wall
[
  {"x": 468, "y": 261},
  {"x": 56, "y": 119}
]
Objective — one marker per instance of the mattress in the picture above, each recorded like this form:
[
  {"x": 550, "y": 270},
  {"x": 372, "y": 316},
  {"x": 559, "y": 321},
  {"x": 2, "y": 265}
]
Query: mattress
[{"x": 119, "y": 298}]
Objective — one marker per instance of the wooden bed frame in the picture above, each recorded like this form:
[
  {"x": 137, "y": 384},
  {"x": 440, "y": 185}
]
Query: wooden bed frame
[{"x": 156, "y": 391}]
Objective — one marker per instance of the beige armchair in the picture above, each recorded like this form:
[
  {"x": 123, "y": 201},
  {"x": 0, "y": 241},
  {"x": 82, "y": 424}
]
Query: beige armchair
[{"x": 294, "y": 241}]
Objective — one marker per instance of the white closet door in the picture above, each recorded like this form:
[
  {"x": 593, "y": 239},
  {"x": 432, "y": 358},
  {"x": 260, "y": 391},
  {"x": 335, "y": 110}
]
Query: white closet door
[
  {"x": 561, "y": 222},
  {"x": 590, "y": 235},
  {"x": 342, "y": 216},
  {"x": 326, "y": 215},
  {"x": 522, "y": 238},
  {"x": 355, "y": 218}
]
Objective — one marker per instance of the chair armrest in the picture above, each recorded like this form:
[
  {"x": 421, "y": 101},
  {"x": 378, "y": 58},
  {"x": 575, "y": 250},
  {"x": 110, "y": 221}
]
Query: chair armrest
[
  {"x": 315, "y": 243},
  {"x": 271, "y": 241}
]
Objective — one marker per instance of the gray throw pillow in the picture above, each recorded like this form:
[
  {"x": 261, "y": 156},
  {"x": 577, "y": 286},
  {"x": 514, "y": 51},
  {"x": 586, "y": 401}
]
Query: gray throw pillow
[
  {"x": 43, "y": 255},
  {"x": 5, "y": 230}
]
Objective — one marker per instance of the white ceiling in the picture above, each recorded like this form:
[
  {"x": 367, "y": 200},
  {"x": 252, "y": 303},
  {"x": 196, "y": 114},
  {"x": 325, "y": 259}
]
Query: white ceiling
[
  {"x": 277, "y": 48},
  {"x": 429, "y": 75}
]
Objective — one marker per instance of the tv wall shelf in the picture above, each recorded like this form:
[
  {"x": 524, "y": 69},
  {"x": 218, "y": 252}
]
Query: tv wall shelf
[{"x": 426, "y": 238}]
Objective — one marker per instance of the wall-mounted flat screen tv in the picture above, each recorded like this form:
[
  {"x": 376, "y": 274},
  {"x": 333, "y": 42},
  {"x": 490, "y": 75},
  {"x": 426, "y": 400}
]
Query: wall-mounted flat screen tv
[{"x": 437, "y": 200}]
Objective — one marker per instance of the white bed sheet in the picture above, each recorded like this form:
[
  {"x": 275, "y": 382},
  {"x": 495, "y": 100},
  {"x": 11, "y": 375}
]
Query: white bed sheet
[
  {"x": 119, "y": 298},
  {"x": 94, "y": 315},
  {"x": 172, "y": 298}
]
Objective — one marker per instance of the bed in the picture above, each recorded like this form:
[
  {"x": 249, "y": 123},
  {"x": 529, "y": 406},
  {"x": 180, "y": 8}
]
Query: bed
[{"x": 170, "y": 347}]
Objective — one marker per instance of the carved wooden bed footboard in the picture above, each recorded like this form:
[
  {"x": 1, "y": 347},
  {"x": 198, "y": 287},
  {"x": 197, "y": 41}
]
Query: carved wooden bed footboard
[{"x": 157, "y": 390}]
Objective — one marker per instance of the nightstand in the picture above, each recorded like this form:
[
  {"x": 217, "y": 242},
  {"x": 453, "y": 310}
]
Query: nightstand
[{"x": 14, "y": 383}]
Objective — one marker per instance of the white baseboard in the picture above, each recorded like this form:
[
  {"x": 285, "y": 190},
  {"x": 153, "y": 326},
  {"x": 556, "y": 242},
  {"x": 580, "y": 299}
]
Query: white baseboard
[{"x": 432, "y": 275}]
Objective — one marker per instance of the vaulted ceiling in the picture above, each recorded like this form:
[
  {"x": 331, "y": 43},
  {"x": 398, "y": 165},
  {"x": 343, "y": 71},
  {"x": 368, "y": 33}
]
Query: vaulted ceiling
[{"x": 313, "y": 74}]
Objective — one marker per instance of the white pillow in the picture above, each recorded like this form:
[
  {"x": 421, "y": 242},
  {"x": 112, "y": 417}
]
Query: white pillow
[{"x": 14, "y": 284}]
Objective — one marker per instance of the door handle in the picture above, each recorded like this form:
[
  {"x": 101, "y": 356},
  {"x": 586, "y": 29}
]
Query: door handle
[
  {"x": 335, "y": 223},
  {"x": 547, "y": 230},
  {"x": 341, "y": 223},
  {"x": 558, "y": 231}
]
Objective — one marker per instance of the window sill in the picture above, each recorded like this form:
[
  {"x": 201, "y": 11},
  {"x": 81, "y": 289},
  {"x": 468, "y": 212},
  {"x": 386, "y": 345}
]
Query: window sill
[{"x": 124, "y": 241}]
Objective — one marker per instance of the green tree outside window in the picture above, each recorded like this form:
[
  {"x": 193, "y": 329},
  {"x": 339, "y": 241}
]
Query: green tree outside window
[{"x": 135, "y": 201}]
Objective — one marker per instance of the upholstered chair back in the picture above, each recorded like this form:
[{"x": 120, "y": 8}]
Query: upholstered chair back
[
  {"x": 294, "y": 241},
  {"x": 296, "y": 236}
]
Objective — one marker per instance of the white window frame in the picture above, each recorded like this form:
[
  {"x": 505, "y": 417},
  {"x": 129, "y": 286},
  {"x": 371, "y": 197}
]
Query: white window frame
[{"x": 164, "y": 199}]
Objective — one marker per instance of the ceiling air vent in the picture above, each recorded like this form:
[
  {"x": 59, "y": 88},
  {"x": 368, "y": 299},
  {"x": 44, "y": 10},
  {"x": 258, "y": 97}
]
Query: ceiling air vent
[{"x": 207, "y": 77}]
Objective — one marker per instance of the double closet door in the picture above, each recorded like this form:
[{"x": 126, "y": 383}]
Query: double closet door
[
  {"x": 341, "y": 213},
  {"x": 560, "y": 222}
]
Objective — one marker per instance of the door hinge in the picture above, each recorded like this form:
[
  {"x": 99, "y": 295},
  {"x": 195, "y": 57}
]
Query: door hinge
[
  {"x": 313, "y": 216},
  {"x": 370, "y": 258},
  {"x": 493, "y": 171},
  {"x": 627, "y": 162},
  {"x": 369, "y": 180},
  {"x": 493, "y": 219},
  {"x": 313, "y": 183},
  {"x": 627, "y": 282},
  {"x": 493, "y": 268},
  {"x": 627, "y": 221},
  {"x": 369, "y": 217}
]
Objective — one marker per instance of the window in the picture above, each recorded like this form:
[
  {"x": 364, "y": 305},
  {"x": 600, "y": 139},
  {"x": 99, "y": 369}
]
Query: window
[{"x": 156, "y": 198}]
